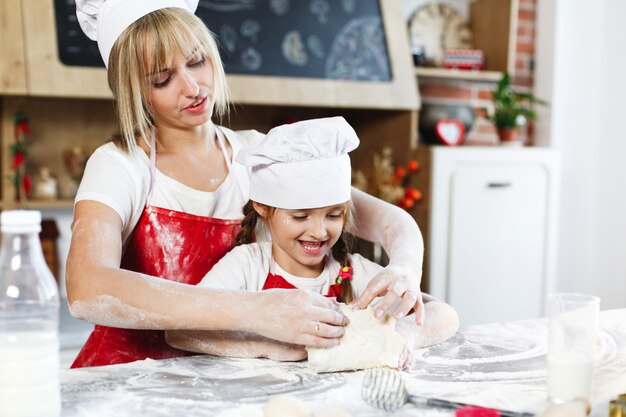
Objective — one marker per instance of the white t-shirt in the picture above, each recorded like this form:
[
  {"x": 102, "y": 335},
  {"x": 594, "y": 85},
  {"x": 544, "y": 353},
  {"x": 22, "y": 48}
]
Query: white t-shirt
[
  {"x": 121, "y": 181},
  {"x": 246, "y": 267}
]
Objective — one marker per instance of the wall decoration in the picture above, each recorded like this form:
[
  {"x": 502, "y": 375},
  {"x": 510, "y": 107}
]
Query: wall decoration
[
  {"x": 437, "y": 27},
  {"x": 431, "y": 113},
  {"x": 20, "y": 179},
  {"x": 389, "y": 182},
  {"x": 45, "y": 185},
  {"x": 450, "y": 132}
]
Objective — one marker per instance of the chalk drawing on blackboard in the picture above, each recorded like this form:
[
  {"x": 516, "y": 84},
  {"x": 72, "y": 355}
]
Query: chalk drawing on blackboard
[
  {"x": 316, "y": 46},
  {"x": 228, "y": 38},
  {"x": 253, "y": 50},
  {"x": 358, "y": 52},
  {"x": 228, "y": 5},
  {"x": 320, "y": 8},
  {"x": 293, "y": 49},
  {"x": 250, "y": 29},
  {"x": 251, "y": 59},
  {"x": 279, "y": 7},
  {"x": 348, "y": 6}
]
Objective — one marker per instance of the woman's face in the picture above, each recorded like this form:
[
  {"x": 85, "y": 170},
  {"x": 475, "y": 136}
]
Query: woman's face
[
  {"x": 301, "y": 238},
  {"x": 182, "y": 94}
]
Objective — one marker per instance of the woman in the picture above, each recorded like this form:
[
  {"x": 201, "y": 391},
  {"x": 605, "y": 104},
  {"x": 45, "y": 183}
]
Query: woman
[{"x": 164, "y": 200}]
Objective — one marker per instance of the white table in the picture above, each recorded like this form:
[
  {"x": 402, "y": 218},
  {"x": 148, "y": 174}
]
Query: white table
[{"x": 496, "y": 365}]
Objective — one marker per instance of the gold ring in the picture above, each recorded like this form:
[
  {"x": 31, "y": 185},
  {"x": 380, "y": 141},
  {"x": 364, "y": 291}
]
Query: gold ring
[{"x": 317, "y": 327}]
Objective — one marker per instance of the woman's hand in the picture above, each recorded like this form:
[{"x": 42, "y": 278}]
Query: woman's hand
[
  {"x": 298, "y": 317},
  {"x": 399, "y": 293}
]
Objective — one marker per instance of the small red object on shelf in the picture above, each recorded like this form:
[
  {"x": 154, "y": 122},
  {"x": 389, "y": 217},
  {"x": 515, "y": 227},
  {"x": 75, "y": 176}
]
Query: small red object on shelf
[
  {"x": 464, "y": 59},
  {"x": 450, "y": 132}
]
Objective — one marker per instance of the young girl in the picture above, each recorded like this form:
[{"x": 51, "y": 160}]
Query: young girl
[
  {"x": 301, "y": 193},
  {"x": 151, "y": 200}
]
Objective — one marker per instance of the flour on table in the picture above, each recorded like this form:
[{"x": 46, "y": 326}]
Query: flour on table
[
  {"x": 285, "y": 406},
  {"x": 254, "y": 367},
  {"x": 332, "y": 412},
  {"x": 367, "y": 343}
]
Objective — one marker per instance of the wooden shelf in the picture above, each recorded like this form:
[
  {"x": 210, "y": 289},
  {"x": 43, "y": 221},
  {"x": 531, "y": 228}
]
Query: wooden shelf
[
  {"x": 12, "y": 62},
  {"x": 494, "y": 29},
  {"x": 45, "y": 204},
  {"x": 455, "y": 74}
]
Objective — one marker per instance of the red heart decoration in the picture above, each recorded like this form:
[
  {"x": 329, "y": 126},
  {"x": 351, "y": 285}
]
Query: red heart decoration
[{"x": 450, "y": 132}]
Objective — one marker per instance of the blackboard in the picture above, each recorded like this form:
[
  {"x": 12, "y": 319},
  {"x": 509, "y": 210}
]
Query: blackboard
[{"x": 323, "y": 39}]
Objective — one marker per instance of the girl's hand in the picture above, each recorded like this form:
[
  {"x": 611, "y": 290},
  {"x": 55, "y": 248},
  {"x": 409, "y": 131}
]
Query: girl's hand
[
  {"x": 406, "y": 359},
  {"x": 399, "y": 293},
  {"x": 407, "y": 329},
  {"x": 298, "y": 317}
]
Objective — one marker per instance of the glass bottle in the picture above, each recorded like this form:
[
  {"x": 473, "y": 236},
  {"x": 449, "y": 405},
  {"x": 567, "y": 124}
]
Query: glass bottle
[{"x": 29, "y": 321}]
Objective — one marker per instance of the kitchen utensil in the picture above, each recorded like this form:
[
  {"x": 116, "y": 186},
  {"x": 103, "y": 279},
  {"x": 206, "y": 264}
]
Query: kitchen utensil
[{"x": 386, "y": 389}]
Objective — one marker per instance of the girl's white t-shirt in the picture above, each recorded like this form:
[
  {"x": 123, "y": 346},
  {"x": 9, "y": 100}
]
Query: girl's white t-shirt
[
  {"x": 121, "y": 181},
  {"x": 246, "y": 267}
]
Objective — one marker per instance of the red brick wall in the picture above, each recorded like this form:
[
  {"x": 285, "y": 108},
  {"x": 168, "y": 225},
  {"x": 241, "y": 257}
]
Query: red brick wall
[
  {"x": 525, "y": 51},
  {"x": 478, "y": 93}
]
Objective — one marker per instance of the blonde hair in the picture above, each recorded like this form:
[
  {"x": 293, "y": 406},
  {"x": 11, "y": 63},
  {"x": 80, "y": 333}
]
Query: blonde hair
[{"x": 150, "y": 43}]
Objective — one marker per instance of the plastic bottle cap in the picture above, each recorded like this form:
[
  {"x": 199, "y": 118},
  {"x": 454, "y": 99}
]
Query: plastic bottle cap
[{"x": 20, "y": 221}]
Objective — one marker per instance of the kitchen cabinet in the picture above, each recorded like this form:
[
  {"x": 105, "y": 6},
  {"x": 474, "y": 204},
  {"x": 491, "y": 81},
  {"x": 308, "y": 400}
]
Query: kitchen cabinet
[
  {"x": 12, "y": 61},
  {"x": 494, "y": 28},
  {"x": 489, "y": 217}
]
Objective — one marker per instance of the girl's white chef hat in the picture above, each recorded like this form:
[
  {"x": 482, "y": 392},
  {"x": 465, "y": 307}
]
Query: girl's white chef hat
[
  {"x": 302, "y": 165},
  {"x": 105, "y": 20}
]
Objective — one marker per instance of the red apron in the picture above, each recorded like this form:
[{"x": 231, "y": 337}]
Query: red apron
[
  {"x": 276, "y": 281},
  {"x": 168, "y": 244}
]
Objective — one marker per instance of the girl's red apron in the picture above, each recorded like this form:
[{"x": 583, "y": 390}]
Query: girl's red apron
[{"x": 168, "y": 244}]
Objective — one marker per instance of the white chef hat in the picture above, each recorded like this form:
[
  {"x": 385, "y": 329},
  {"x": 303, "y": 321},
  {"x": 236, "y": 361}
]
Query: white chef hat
[
  {"x": 302, "y": 165},
  {"x": 105, "y": 20}
]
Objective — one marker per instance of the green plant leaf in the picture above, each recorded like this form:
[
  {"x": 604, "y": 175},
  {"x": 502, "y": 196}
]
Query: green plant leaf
[{"x": 509, "y": 104}]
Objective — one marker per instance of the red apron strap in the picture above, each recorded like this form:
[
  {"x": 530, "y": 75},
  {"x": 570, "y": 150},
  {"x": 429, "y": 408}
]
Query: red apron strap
[{"x": 276, "y": 281}]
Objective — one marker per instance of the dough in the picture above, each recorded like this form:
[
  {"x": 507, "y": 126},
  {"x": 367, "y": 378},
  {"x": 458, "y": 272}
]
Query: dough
[
  {"x": 367, "y": 343},
  {"x": 285, "y": 406}
]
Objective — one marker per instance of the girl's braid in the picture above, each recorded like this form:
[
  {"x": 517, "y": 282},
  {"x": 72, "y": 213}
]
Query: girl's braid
[
  {"x": 341, "y": 253},
  {"x": 248, "y": 224}
]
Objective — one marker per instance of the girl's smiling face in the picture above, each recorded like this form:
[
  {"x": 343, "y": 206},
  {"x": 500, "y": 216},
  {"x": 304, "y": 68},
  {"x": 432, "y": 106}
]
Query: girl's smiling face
[
  {"x": 181, "y": 95},
  {"x": 302, "y": 238}
]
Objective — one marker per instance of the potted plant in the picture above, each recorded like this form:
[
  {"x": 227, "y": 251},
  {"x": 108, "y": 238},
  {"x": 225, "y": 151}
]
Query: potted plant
[{"x": 512, "y": 109}]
